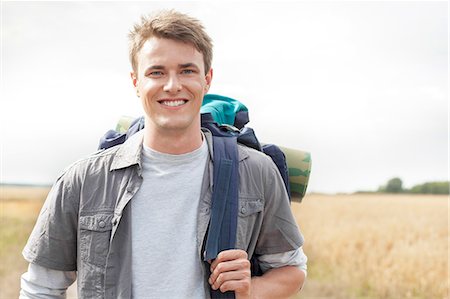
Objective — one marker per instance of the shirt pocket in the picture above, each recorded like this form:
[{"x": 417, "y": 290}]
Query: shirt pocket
[
  {"x": 249, "y": 220},
  {"x": 95, "y": 234}
]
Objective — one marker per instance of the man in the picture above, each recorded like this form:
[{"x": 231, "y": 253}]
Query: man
[{"x": 131, "y": 221}]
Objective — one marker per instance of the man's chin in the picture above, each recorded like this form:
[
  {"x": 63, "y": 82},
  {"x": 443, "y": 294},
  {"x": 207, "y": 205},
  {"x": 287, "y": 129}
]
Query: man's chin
[{"x": 175, "y": 126}]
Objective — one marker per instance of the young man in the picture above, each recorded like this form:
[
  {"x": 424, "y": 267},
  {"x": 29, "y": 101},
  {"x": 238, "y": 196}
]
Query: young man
[{"x": 130, "y": 221}]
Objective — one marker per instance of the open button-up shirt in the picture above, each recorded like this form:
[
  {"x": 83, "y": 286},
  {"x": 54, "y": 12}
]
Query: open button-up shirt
[{"x": 85, "y": 225}]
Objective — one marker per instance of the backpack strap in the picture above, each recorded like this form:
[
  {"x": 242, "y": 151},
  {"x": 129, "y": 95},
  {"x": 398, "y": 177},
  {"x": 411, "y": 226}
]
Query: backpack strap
[
  {"x": 225, "y": 201},
  {"x": 279, "y": 158}
]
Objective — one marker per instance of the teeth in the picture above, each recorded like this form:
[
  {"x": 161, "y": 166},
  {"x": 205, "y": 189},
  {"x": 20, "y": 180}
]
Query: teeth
[{"x": 173, "y": 103}]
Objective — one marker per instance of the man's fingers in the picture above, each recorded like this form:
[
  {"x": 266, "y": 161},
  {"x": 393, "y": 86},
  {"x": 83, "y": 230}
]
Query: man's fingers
[
  {"x": 228, "y": 255},
  {"x": 227, "y": 280},
  {"x": 230, "y": 266},
  {"x": 230, "y": 271},
  {"x": 238, "y": 286}
]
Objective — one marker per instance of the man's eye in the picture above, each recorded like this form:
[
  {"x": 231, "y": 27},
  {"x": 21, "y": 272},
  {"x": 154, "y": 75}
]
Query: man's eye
[
  {"x": 188, "y": 72},
  {"x": 155, "y": 74}
]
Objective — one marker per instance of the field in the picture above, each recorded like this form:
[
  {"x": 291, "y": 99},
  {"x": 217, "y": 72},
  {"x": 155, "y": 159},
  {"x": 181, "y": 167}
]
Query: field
[
  {"x": 375, "y": 246},
  {"x": 358, "y": 246},
  {"x": 19, "y": 208}
]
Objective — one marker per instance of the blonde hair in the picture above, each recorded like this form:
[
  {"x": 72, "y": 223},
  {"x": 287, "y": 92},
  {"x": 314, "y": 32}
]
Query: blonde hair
[{"x": 172, "y": 25}]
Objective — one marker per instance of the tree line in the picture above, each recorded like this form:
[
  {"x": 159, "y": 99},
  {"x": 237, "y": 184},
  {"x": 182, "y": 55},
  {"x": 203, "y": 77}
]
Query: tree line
[{"x": 395, "y": 185}]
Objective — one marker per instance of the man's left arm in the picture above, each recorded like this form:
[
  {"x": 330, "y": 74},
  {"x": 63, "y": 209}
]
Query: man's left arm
[
  {"x": 279, "y": 232},
  {"x": 230, "y": 271},
  {"x": 278, "y": 283}
]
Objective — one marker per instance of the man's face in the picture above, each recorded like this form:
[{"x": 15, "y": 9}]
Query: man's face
[{"x": 171, "y": 83}]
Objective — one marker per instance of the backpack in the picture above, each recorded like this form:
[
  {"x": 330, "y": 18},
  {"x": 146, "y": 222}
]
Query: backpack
[
  {"x": 224, "y": 116},
  {"x": 226, "y": 119}
]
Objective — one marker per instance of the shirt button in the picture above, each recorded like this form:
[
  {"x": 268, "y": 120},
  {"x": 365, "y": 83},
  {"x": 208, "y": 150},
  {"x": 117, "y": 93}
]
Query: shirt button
[
  {"x": 102, "y": 224},
  {"x": 243, "y": 210}
]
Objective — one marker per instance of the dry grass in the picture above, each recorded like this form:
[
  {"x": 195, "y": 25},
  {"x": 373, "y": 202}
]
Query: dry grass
[
  {"x": 19, "y": 208},
  {"x": 359, "y": 246},
  {"x": 375, "y": 246}
]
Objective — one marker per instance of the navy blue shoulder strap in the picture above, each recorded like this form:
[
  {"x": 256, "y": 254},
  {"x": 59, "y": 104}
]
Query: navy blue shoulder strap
[
  {"x": 279, "y": 158},
  {"x": 225, "y": 201}
]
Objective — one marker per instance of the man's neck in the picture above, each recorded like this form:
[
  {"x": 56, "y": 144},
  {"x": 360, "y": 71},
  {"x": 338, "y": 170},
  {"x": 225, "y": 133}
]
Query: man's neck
[{"x": 173, "y": 142}]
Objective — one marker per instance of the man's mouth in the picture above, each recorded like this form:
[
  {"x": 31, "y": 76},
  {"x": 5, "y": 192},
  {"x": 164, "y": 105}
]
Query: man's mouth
[{"x": 172, "y": 103}]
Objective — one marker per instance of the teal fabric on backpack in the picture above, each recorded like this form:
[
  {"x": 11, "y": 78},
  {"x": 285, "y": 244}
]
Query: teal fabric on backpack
[{"x": 223, "y": 109}]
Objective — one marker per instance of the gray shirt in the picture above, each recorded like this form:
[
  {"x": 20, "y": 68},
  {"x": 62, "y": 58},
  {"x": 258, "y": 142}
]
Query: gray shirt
[
  {"x": 164, "y": 226},
  {"x": 85, "y": 222}
]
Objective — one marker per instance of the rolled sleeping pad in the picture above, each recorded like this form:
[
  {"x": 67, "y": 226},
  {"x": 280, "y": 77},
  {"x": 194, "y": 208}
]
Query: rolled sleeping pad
[
  {"x": 298, "y": 163},
  {"x": 124, "y": 123},
  {"x": 299, "y": 166}
]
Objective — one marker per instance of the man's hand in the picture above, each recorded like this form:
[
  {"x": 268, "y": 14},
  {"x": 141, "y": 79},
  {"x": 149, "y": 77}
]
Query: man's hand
[{"x": 230, "y": 271}]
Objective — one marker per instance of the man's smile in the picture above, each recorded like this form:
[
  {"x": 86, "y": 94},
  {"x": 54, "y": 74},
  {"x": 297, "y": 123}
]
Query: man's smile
[{"x": 172, "y": 102}]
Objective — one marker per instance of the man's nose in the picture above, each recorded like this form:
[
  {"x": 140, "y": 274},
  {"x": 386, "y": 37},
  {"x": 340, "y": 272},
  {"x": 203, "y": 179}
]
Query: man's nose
[{"x": 173, "y": 84}]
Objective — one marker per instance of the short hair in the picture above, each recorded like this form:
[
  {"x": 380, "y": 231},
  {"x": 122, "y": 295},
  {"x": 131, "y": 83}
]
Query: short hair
[{"x": 172, "y": 25}]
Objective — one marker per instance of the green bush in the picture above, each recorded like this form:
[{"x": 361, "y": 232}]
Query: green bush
[
  {"x": 431, "y": 188},
  {"x": 395, "y": 185}
]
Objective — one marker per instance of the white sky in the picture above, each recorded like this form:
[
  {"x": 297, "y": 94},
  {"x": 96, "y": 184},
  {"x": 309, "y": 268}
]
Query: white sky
[{"x": 363, "y": 86}]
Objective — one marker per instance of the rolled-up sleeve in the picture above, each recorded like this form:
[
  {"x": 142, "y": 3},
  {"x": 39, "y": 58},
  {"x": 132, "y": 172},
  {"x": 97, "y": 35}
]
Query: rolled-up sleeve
[
  {"x": 40, "y": 282},
  {"x": 296, "y": 258}
]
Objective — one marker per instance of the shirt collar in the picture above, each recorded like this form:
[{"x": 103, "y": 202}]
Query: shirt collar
[{"x": 129, "y": 152}]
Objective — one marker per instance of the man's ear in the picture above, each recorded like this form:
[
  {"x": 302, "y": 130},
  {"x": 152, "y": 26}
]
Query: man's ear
[
  {"x": 135, "y": 82},
  {"x": 208, "y": 78}
]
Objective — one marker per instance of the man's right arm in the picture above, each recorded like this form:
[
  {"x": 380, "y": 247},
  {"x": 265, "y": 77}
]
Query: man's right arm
[
  {"x": 53, "y": 241},
  {"x": 53, "y": 244},
  {"x": 41, "y": 282}
]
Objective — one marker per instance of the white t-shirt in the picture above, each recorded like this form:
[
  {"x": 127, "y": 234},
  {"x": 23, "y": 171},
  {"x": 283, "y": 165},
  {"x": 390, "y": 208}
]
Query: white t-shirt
[{"x": 165, "y": 257}]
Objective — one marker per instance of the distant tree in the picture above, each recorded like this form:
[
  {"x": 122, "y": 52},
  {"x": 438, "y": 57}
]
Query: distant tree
[
  {"x": 394, "y": 185},
  {"x": 431, "y": 188}
]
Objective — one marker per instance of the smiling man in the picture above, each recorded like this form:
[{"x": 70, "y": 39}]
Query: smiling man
[
  {"x": 131, "y": 221},
  {"x": 171, "y": 81}
]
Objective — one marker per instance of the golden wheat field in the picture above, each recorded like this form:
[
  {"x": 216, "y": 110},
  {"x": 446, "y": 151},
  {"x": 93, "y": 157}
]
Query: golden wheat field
[{"x": 358, "y": 246}]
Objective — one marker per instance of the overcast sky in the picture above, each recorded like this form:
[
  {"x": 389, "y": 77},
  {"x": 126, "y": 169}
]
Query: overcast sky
[{"x": 363, "y": 86}]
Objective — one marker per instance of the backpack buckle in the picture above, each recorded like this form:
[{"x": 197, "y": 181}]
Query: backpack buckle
[{"x": 229, "y": 128}]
